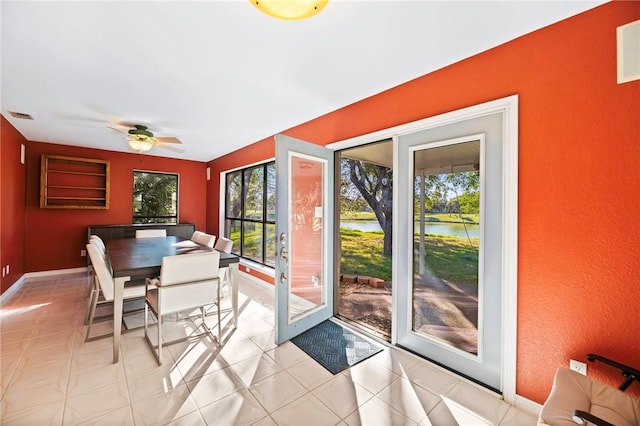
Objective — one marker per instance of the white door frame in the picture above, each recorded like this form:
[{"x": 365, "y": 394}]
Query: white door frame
[{"x": 508, "y": 106}]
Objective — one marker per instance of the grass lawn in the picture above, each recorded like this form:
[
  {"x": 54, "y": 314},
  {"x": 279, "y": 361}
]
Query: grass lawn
[
  {"x": 362, "y": 254},
  {"x": 448, "y": 258}
]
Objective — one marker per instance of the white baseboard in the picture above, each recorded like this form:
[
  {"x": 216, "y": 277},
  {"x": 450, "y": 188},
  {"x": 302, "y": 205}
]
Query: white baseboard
[
  {"x": 256, "y": 280},
  {"x": 55, "y": 272},
  {"x": 527, "y": 405},
  {"x": 9, "y": 292},
  {"x": 16, "y": 285}
]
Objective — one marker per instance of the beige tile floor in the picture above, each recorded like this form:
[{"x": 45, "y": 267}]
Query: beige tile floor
[{"x": 51, "y": 376}]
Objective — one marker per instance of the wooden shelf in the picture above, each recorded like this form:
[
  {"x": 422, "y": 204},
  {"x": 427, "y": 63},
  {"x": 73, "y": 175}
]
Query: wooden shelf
[
  {"x": 69, "y": 172},
  {"x": 74, "y": 183}
]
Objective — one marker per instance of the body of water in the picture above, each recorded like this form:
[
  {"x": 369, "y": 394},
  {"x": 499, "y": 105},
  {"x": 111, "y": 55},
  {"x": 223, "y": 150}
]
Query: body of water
[{"x": 437, "y": 228}]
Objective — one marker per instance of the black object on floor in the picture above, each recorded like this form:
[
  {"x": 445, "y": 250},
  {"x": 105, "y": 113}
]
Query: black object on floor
[{"x": 335, "y": 347}]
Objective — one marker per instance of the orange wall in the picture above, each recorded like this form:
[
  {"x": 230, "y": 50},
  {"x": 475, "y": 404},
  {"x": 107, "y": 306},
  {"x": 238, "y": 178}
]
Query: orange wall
[
  {"x": 12, "y": 204},
  {"x": 579, "y": 182},
  {"x": 54, "y": 237},
  {"x": 259, "y": 151}
]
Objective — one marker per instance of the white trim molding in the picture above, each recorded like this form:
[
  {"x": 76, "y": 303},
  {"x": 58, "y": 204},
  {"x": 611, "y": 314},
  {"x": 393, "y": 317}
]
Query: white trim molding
[
  {"x": 527, "y": 405},
  {"x": 4, "y": 297}
]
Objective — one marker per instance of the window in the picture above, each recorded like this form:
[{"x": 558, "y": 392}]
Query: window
[
  {"x": 155, "y": 197},
  {"x": 250, "y": 214}
]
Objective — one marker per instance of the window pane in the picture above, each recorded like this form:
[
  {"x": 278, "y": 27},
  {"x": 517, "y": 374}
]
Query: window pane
[
  {"x": 254, "y": 193},
  {"x": 234, "y": 194},
  {"x": 306, "y": 236},
  {"x": 155, "y": 197},
  {"x": 271, "y": 192},
  {"x": 252, "y": 239},
  {"x": 447, "y": 241},
  {"x": 233, "y": 233},
  {"x": 270, "y": 259},
  {"x": 250, "y": 212}
]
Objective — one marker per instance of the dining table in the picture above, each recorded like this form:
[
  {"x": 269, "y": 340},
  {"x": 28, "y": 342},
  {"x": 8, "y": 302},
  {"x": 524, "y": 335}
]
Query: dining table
[{"x": 139, "y": 258}]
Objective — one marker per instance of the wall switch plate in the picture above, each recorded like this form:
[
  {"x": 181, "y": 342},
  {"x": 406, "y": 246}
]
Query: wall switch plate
[
  {"x": 83, "y": 253},
  {"x": 578, "y": 366}
]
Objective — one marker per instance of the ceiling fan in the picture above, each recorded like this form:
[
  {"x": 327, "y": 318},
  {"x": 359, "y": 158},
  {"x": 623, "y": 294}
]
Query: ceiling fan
[{"x": 142, "y": 139}]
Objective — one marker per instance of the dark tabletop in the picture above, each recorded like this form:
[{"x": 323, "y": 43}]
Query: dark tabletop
[{"x": 142, "y": 257}]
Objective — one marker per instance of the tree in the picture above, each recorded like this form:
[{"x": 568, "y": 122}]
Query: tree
[
  {"x": 154, "y": 196},
  {"x": 375, "y": 185}
]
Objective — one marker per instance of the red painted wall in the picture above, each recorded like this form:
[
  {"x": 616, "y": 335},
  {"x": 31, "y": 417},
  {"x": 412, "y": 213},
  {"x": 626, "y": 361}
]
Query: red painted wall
[
  {"x": 12, "y": 204},
  {"x": 579, "y": 182},
  {"x": 54, "y": 237}
]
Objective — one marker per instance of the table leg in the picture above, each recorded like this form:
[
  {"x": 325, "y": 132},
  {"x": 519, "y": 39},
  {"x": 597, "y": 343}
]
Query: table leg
[
  {"x": 233, "y": 281},
  {"x": 118, "y": 292}
]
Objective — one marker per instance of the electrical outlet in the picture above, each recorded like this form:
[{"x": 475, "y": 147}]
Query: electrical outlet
[
  {"x": 578, "y": 366},
  {"x": 83, "y": 253},
  {"x": 3, "y": 272},
  {"x": 7, "y": 269}
]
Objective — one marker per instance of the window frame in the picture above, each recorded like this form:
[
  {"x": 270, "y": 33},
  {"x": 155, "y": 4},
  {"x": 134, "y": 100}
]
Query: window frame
[
  {"x": 240, "y": 221},
  {"x": 136, "y": 219}
]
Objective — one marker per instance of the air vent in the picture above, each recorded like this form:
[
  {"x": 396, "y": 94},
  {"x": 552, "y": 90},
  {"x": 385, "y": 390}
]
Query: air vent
[{"x": 21, "y": 115}]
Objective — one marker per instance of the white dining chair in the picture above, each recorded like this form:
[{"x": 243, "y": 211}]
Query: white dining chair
[
  {"x": 93, "y": 281},
  {"x": 224, "y": 245},
  {"x": 151, "y": 233},
  {"x": 106, "y": 287},
  {"x": 98, "y": 242},
  {"x": 186, "y": 282},
  {"x": 205, "y": 239}
]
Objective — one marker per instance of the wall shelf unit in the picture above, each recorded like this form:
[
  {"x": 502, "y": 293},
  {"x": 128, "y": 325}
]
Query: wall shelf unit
[{"x": 73, "y": 183}]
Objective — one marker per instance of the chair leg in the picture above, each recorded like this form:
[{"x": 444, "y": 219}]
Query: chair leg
[
  {"x": 92, "y": 312},
  {"x": 92, "y": 290},
  {"x": 159, "y": 339},
  {"x": 219, "y": 318},
  {"x": 146, "y": 319},
  {"x": 89, "y": 305}
]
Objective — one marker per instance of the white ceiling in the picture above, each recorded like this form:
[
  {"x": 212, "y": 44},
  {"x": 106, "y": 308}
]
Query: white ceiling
[{"x": 220, "y": 75}]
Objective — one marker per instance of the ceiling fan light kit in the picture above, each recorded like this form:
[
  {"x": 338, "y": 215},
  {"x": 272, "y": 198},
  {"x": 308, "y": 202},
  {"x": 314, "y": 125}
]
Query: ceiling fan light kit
[
  {"x": 139, "y": 144},
  {"x": 141, "y": 139},
  {"x": 290, "y": 9}
]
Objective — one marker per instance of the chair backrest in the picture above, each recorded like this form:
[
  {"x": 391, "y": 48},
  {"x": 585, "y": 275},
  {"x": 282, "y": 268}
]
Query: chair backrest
[
  {"x": 151, "y": 233},
  {"x": 224, "y": 244},
  {"x": 573, "y": 391},
  {"x": 205, "y": 239},
  {"x": 102, "y": 272},
  {"x": 185, "y": 268},
  {"x": 101, "y": 248},
  {"x": 98, "y": 242}
]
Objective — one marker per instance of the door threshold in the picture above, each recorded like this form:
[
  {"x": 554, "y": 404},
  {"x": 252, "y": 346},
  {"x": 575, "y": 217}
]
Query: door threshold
[{"x": 451, "y": 370}]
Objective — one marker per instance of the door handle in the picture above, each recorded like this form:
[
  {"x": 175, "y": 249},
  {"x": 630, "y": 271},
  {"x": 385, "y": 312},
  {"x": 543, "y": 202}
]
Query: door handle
[
  {"x": 284, "y": 258},
  {"x": 284, "y": 263}
]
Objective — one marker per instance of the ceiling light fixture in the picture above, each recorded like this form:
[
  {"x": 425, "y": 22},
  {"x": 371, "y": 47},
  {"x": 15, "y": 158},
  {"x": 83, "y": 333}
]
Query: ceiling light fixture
[
  {"x": 140, "y": 143},
  {"x": 290, "y": 9}
]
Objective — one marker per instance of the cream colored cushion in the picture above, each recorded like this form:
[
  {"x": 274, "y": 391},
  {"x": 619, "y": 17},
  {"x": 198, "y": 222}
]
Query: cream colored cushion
[{"x": 573, "y": 391}]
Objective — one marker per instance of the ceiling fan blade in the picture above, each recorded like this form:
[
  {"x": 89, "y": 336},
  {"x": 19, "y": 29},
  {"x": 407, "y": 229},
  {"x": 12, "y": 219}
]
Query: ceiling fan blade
[
  {"x": 118, "y": 128},
  {"x": 167, "y": 139},
  {"x": 170, "y": 148}
]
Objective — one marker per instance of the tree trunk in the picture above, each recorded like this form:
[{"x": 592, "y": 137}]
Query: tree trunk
[
  {"x": 370, "y": 184},
  {"x": 388, "y": 233}
]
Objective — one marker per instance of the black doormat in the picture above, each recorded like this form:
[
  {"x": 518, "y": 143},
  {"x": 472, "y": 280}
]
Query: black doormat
[{"x": 335, "y": 347}]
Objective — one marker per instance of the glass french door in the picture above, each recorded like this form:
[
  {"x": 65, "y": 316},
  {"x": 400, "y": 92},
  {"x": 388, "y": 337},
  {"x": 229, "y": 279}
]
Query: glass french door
[
  {"x": 304, "y": 230},
  {"x": 448, "y": 246}
]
